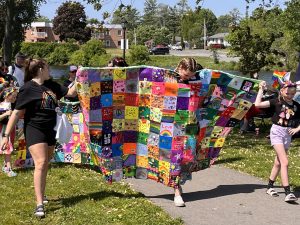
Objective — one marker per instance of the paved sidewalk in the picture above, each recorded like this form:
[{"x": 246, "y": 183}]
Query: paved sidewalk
[{"x": 218, "y": 196}]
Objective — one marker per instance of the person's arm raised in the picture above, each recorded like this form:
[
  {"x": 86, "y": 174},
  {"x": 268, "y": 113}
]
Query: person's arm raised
[{"x": 258, "y": 102}]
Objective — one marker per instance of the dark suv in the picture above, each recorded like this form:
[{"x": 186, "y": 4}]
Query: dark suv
[{"x": 159, "y": 51}]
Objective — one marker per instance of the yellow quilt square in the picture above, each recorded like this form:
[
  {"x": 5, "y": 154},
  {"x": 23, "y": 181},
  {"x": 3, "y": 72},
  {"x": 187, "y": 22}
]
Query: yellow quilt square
[
  {"x": 144, "y": 126},
  {"x": 142, "y": 161},
  {"x": 131, "y": 112},
  {"x": 119, "y": 74}
]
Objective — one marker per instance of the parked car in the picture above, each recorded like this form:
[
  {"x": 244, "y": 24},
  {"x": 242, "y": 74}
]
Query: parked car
[
  {"x": 177, "y": 47},
  {"x": 159, "y": 51}
]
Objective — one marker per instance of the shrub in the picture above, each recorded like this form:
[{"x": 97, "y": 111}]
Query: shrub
[
  {"x": 38, "y": 49},
  {"x": 62, "y": 53},
  {"x": 99, "y": 60},
  {"x": 138, "y": 55}
]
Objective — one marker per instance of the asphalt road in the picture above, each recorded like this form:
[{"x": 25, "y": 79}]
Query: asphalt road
[
  {"x": 220, "y": 196},
  {"x": 205, "y": 53}
]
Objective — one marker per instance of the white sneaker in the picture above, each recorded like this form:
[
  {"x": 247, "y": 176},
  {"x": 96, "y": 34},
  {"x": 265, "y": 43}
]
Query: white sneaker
[
  {"x": 290, "y": 198},
  {"x": 178, "y": 201}
]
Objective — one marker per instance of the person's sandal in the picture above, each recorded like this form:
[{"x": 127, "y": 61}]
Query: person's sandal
[
  {"x": 272, "y": 192},
  {"x": 290, "y": 198}
]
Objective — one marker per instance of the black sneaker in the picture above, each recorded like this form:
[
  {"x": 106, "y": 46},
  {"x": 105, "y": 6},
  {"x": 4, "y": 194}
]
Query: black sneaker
[{"x": 39, "y": 211}]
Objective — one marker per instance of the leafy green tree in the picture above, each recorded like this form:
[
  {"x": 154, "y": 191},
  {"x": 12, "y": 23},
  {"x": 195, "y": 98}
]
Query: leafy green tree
[
  {"x": 150, "y": 12},
  {"x": 253, "y": 40},
  {"x": 14, "y": 21},
  {"x": 158, "y": 35},
  {"x": 42, "y": 19},
  {"x": 70, "y": 22},
  {"x": 224, "y": 23},
  {"x": 172, "y": 22},
  {"x": 130, "y": 14}
]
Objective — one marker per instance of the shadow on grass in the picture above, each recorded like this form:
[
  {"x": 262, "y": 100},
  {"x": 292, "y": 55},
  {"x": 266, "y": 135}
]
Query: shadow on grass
[
  {"x": 229, "y": 160},
  {"x": 95, "y": 196},
  {"x": 219, "y": 191}
]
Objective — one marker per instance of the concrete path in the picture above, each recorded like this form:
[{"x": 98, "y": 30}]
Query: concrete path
[{"x": 218, "y": 196}]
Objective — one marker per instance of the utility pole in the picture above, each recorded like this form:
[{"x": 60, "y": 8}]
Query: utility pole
[{"x": 204, "y": 34}]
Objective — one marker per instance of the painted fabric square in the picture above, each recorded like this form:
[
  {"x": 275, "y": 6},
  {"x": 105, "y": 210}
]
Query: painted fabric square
[
  {"x": 119, "y": 74},
  {"x": 106, "y": 87},
  {"x": 158, "y": 88},
  {"x": 119, "y": 86},
  {"x": 131, "y": 112},
  {"x": 132, "y": 99},
  {"x": 106, "y": 100}
]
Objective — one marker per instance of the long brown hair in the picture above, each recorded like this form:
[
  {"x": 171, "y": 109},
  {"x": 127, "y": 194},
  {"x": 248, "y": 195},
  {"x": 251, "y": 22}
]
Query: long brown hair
[
  {"x": 32, "y": 67},
  {"x": 188, "y": 64}
]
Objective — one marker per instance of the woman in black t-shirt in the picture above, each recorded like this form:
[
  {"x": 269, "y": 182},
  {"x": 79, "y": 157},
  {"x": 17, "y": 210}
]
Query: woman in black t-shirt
[
  {"x": 37, "y": 101},
  {"x": 285, "y": 124}
]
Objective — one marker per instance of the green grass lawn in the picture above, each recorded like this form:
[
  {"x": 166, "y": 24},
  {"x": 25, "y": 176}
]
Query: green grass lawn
[
  {"x": 77, "y": 196},
  {"x": 254, "y": 155}
]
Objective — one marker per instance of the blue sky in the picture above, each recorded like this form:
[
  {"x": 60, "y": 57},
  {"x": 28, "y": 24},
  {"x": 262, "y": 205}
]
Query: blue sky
[{"x": 219, "y": 7}]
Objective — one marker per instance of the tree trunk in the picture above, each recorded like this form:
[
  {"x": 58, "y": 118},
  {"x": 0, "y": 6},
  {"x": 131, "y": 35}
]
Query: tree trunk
[{"x": 8, "y": 38}]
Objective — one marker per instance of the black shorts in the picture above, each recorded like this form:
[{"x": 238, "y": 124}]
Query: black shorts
[{"x": 36, "y": 136}]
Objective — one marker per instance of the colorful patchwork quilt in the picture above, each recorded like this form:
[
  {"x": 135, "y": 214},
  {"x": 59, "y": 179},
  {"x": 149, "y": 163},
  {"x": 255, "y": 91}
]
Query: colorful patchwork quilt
[{"x": 139, "y": 121}]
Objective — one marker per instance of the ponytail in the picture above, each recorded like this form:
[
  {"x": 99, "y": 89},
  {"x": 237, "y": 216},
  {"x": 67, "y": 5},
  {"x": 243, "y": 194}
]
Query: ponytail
[
  {"x": 188, "y": 64},
  {"x": 32, "y": 67}
]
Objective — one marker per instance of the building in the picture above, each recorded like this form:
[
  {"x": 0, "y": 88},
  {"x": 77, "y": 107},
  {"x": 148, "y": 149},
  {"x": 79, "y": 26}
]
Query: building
[
  {"x": 110, "y": 34},
  {"x": 218, "y": 40},
  {"x": 41, "y": 32}
]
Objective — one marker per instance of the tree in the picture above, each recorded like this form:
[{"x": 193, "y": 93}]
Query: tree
[
  {"x": 42, "y": 19},
  {"x": 131, "y": 15},
  {"x": 14, "y": 20},
  {"x": 158, "y": 35},
  {"x": 70, "y": 22},
  {"x": 253, "y": 40},
  {"x": 224, "y": 23},
  {"x": 150, "y": 12}
]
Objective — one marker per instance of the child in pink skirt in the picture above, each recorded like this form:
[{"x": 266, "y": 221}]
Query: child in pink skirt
[{"x": 8, "y": 96}]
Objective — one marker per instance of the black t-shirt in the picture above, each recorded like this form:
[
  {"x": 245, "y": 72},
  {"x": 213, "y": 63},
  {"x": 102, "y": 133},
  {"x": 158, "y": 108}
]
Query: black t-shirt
[
  {"x": 285, "y": 115},
  {"x": 40, "y": 102},
  {"x": 70, "y": 99}
]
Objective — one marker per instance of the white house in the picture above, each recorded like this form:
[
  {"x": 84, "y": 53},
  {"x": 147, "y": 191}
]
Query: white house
[{"x": 218, "y": 39}]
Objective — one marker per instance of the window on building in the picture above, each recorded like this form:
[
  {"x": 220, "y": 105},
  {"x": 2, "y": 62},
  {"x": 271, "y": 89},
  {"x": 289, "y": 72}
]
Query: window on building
[
  {"x": 119, "y": 32},
  {"x": 119, "y": 43},
  {"x": 107, "y": 32},
  {"x": 107, "y": 43}
]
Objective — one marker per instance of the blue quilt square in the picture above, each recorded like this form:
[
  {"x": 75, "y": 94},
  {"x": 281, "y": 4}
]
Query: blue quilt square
[
  {"x": 107, "y": 126},
  {"x": 129, "y": 160},
  {"x": 95, "y": 115},
  {"x": 106, "y": 100},
  {"x": 165, "y": 142},
  {"x": 142, "y": 150},
  {"x": 117, "y": 150}
]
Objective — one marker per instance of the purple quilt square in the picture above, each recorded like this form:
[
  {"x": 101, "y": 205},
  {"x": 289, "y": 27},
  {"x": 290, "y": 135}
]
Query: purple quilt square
[
  {"x": 129, "y": 160},
  {"x": 106, "y": 152},
  {"x": 130, "y": 136},
  {"x": 175, "y": 169},
  {"x": 146, "y": 74},
  {"x": 95, "y": 115},
  {"x": 94, "y": 76},
  {"x": 95, "y": 102},
  {"x": 222, "y": 121},
  {"x": 158, "y": 75},
  {"x": 213, "y": 152},
  {"x": 176, "y": 156},
  {"x": 182, "y": 103}
]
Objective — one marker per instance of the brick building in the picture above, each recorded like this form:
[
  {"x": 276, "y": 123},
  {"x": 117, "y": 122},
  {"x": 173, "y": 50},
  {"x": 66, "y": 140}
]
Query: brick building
[
  {"x": 40, "y": 32},
  {"x": 110, "y": 34}
]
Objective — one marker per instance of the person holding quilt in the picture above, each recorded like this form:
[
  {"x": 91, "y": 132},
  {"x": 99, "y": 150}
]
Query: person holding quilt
[
  {"x": 37, "y": 101},
  {"x": 285, "y": 124},
  {"x": 186, "y": 70}
]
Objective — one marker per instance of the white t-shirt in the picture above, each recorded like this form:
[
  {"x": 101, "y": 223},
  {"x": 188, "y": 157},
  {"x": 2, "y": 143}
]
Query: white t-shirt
[{"x": 18, "y": 74}]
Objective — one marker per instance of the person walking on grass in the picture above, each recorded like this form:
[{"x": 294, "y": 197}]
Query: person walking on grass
[
  {"x": 37, "y": 101},
  {"x": 7, "y": 96},
  {"x": 285, "y": 124}
]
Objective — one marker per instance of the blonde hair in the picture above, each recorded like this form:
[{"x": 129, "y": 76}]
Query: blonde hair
[{"x": 187, "y": 64}]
